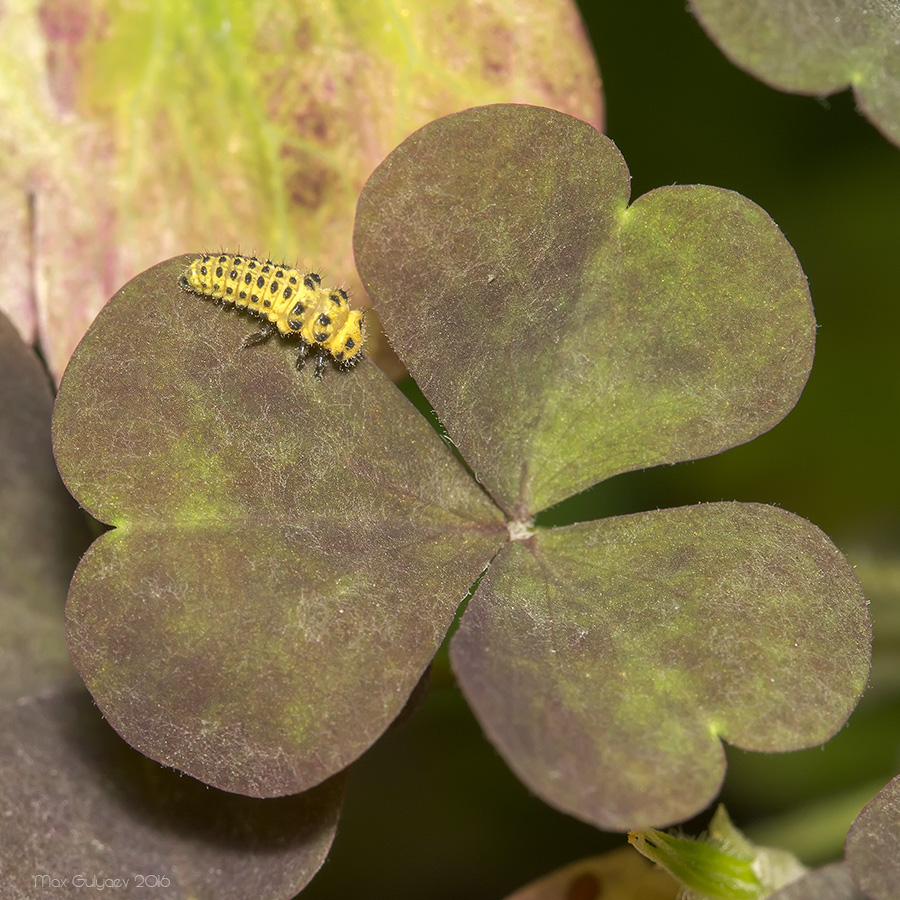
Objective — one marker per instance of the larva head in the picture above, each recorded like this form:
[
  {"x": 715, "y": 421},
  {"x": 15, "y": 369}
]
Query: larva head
[{"x": 345, "y": 345}]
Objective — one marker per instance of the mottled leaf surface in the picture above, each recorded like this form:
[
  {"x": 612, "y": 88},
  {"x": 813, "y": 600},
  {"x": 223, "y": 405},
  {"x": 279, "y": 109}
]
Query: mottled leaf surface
[
  {"x": 561, "y": 335},
  {"x": 816, "y": 48},
  {"x": 76, "y": 800},
  {"x": 607, "y": 660},
  {"x": 42, "y": 532},
  {"x": 873, "y": 845},
  {"x": 287, "y": 553}
]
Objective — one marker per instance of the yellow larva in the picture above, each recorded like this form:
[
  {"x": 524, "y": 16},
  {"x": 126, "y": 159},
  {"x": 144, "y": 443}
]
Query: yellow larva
[{"x": 293, "y": 305}]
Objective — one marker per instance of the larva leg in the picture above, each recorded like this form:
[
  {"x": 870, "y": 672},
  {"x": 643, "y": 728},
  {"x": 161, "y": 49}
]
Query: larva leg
[
  {"x": 321, "y": 361},
  {"x": 301, "y": 355},
  {"x": 261, "y": 336}
]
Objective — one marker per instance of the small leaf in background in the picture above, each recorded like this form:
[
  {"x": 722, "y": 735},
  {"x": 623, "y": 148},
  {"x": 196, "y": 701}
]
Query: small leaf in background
[
  {"x": 77, "y": 801},
  {"x": 815, "y": 48},
  {"x": 724, "y": 865},
  {"x": 563, "y": 337},
  {"x": 42, "y": 531},
  {"x": 618, "y": 875},
  {"x": 873, "y": 845},
  {"x": 288, "y": 553},
  {"x": 832, "y": 882},
  {"x": 136, "y": 131}
]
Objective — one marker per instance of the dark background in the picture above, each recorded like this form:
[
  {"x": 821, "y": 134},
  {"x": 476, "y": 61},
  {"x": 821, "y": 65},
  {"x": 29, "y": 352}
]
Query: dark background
[{"x": 431, "y": 810}]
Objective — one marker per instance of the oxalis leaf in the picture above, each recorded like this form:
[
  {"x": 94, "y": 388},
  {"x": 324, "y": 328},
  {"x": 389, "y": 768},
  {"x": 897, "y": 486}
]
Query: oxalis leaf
[
  {"x": 873, "y": 845},
  {"x": 42, "y": 533},
  {"x": 287, "y": 553},
  {"x": 80, "y": 807},
  {"x": 83, "y": 809},
  {"x": 562, "y": 337},
  {"x": 816, "y": 48},
  {"x": 831, "y": 882},
  {"x": 533, "y": 306}
]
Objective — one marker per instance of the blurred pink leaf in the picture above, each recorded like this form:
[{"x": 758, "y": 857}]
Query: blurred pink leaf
[
  {"x": 138, "y": 132},
  {"x": 619, "y": 875}
]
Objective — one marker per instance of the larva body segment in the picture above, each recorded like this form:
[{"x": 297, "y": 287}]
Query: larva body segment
[{"x": 292, "y": 303}]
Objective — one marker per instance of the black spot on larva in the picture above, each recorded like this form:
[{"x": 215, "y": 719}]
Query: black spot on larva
[
  {"x": 349, "y": 343},
  {"x": 324, "y": 319},
  {"x": 273, "y": 287},
  {"x": 248, "y": 278},
  {"x": 260, "y": 282},
  {"x": 298, "y": 309},
  {"x": 288, "y": 293},
  {"x": 312, "y": 281}
]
